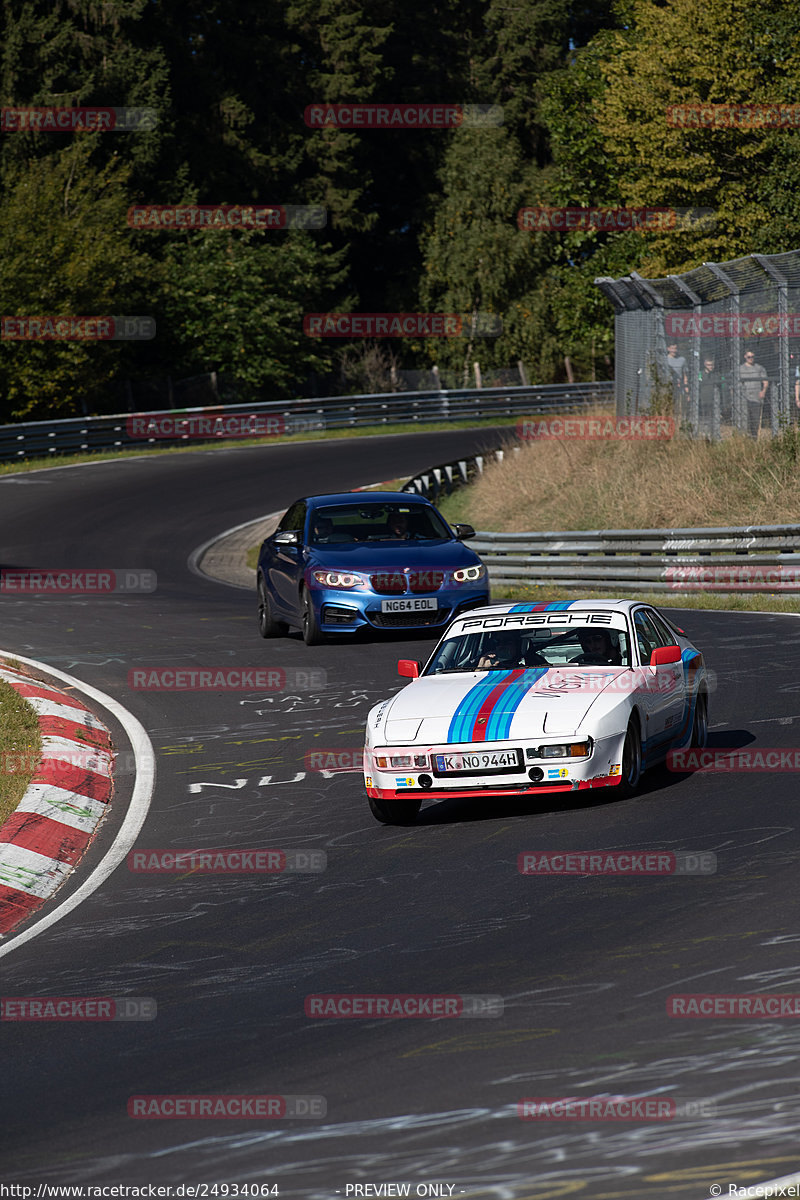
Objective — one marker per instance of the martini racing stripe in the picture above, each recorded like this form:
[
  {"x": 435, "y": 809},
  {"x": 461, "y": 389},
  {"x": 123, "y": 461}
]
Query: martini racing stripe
[
  {"x": 483, "y": 717},
  {"x": 556, "y": 606},
  {"x": 469, "y": 706},
  {"x": 498, "y": 725},
  {"x": 486, "y": 712}
]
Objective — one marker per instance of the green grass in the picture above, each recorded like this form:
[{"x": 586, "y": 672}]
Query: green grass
[
  {"x": 20, "y": 747},
  {"x": 682, "y": 484}
]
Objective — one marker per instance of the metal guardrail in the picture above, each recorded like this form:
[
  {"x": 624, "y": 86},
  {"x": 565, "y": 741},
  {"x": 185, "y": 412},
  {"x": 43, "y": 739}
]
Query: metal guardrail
[
  {"x": 72, "y": 435},
  {"x": 752, "y": 558}
]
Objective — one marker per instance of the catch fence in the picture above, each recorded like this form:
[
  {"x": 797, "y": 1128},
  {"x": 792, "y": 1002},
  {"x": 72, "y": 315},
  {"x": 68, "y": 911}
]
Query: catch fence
[{"x": 736, "y": 326}]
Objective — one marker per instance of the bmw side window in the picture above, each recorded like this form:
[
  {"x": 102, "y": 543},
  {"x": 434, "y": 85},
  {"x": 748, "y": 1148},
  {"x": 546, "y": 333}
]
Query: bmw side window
[
  {"x": 291, "y": 517},
  {"x": 296, "y": 518}
]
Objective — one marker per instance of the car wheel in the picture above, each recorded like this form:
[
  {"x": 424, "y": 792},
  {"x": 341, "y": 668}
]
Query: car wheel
[
  {"x": 395, "y": 812},
  {"x": 631, "y": 771},
  {"x": 311, "y": 633},
  {"x": 267, "y": 625},
  {"x": 700, "y": 722}
]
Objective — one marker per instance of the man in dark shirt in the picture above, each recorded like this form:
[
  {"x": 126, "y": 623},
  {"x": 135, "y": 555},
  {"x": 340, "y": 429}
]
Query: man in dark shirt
[{"x": 710, "y": 399}]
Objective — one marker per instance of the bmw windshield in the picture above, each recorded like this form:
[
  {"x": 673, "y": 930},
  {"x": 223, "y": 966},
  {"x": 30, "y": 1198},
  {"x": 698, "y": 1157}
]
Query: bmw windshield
[{"x": 343, "y": 523}]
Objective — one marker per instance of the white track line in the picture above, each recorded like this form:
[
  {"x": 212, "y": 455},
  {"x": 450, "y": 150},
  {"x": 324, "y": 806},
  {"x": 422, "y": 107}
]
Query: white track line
[{"x": 134, "y": 818}]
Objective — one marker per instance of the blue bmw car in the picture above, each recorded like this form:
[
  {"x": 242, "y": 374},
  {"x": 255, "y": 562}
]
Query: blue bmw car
[{"x": 380, "y": 560}]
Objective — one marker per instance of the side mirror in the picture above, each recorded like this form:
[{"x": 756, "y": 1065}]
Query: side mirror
[
  {"x": 409, "y": 667},
  {"x": 662, "y": 655},
  {"x": 287, "y": 537},
  {"x": 463, "y": 531}
]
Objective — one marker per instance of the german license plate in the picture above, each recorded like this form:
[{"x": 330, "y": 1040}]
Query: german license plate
[
  {"x": 484, "y": 760},
  {"x": 410, "y": 604}
]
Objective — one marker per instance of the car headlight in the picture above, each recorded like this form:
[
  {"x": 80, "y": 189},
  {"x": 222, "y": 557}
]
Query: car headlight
[
  {"x": 469, "y": 574},
  {"x": 563, "y": 750},
  {"x": 338, "y": 579},
  {"x": 400, "y": 760}
]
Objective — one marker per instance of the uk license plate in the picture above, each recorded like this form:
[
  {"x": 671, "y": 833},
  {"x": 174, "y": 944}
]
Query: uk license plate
[
  {"x": 410, "y": 604},
  {"x": 483, "y": 760}
]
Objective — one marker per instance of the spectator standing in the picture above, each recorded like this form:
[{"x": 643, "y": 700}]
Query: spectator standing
[
  {"x": 680, "y": 378},
  {"x": 754, "y": 383},
  {"x": 710, "y": 399}
]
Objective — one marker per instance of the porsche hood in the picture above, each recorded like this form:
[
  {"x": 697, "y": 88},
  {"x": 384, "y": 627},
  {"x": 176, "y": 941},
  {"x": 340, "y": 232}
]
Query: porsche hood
[{"x": 498, "y": 705}]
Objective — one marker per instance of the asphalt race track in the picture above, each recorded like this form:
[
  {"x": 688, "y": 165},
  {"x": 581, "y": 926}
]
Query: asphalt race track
[{"x": 583, "y": 965}]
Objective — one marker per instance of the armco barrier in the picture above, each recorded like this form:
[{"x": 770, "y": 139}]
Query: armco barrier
[
  {"x": 36, "y": 439},
  {"x": 688, "y": 561},
  {"x": 753, "y": 558}
]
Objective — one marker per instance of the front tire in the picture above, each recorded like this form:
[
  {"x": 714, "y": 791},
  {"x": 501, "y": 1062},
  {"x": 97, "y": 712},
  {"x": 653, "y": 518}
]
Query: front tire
[
  {"x": 268, "y": 627},
  {"x": 311, "y": 633},
  {"x": 631, "y": 771},
  {"x": 395, "y": 812}
]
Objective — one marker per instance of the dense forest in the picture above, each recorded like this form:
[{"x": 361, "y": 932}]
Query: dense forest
[{"x": 418, "y": 220}]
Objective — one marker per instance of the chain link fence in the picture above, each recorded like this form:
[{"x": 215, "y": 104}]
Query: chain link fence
[{"x": 719, "y": 345}]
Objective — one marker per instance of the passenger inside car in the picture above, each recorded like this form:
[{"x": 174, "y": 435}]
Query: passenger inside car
[{"x": 597, "y": 649}]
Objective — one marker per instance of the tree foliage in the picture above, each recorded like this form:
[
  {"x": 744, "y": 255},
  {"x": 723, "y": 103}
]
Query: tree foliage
[{"x": 417, "y": 219}]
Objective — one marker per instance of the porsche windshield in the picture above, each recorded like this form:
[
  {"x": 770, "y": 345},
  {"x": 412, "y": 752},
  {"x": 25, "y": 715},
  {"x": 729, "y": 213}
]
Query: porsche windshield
[
  {"x": 552, "y": 646},
  {"x": 341, "y": 523}
]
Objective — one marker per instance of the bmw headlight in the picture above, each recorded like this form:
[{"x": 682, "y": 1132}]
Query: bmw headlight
[
  {"x": 338, "y": 579},
  {"x": 469, "y": 574}
]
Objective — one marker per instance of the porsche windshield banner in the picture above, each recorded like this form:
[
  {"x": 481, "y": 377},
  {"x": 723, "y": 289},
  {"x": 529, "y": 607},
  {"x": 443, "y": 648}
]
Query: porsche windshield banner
[{"x": 533, "y": 620}]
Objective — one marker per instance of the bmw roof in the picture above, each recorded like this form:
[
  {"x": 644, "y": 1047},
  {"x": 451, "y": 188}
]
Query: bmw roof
[{"x": 365, "y": 497}]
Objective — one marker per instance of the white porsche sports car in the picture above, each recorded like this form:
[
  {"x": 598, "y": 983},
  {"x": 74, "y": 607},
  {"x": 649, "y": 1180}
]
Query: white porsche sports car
[{"x": 520, "y": 699}]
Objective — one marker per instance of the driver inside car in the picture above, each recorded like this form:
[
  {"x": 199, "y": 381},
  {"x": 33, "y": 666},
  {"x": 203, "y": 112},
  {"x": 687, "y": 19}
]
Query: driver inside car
[
  {"x": 397, "y": 526},
  {"x": 505, "y": 653},
  {"x": 598, "y": 649},
  {"x": 323, "y": 528}
]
